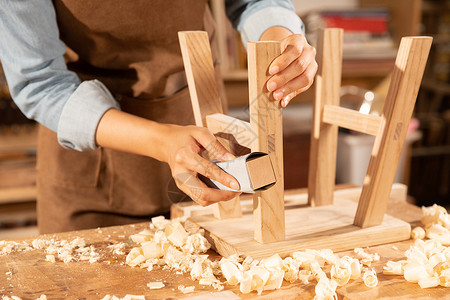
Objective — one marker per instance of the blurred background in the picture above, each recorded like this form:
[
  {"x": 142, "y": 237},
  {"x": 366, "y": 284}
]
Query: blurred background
[{"x": 373, "y": 29}]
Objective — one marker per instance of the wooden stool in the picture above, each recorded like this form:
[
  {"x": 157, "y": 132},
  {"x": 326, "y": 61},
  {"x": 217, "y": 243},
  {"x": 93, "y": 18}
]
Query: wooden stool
[{"x": 330, "y": 220}]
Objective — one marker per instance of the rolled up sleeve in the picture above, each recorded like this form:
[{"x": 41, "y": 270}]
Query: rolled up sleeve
[
  {"x": 252, "y": 18},
  {"x": 43, "y": 88}
]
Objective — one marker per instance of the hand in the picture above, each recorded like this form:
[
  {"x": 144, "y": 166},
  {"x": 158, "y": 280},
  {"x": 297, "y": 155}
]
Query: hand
[
  {"x": 179, "y": 146},
  {"x": 293, "y": 71},
  {"x": 183, "y": 147}
]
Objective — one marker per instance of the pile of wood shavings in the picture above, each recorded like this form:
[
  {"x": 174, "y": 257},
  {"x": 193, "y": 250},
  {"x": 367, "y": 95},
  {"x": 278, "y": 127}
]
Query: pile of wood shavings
[
  {"x": 55, "y": 250},
  {"x": 427, "y": 262},
  {"x": 167, "y": 244}
]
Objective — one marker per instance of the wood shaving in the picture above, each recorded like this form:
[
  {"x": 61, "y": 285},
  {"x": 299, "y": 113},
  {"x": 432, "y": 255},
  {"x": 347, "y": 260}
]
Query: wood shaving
[
  {"x": 341, "y": 272},
  {"x": 418, "y": 233},
  {"x": 186, "y": 289},
  {"x": 394, "y": 267},
  {"x": 370, "y": 278},
  {"x": 117, "y": 249},
  {"x": 355, "y": 266},
  {"x": 325, "y": 289},
  {"x": 155, "y": 285},
  {"x": 365, "y": 257},
  {"x": 429, "y": 282},
  {"x": 50, "y": 258}
]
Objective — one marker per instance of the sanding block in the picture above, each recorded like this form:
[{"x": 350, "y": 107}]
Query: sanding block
[{"x": 253, "y": 171}]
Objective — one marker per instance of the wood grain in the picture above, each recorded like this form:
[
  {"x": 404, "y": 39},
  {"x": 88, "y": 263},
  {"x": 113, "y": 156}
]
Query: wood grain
[
  {"x": 266, "y": 122},
  {"x": 321, "y": 227},
  {"x": 406, "y": 77},
  {"x": 322, "y": 161},
  {"x": 351, "y": 119},
  {"x": 199, "y": 67},
  {"x": 260, "y": 171}
]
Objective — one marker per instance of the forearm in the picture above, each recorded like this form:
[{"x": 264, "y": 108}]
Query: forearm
[
  {"x": 275, "y": 33},
  {"x": 122, "y": 131}
]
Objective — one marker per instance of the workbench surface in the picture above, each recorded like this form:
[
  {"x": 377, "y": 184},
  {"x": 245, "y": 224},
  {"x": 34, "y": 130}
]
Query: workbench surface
[{"x": 28, "y": 274}]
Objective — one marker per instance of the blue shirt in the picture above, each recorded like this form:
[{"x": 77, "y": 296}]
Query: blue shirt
[{"x": 46, "y": 91}]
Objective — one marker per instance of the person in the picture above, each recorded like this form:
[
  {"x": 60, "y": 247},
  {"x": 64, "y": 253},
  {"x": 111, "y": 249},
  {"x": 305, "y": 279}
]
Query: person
[{"x": 105, "y": 80}]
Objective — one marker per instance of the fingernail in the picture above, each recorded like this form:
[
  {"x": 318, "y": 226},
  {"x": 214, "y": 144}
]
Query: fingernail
[
  {"x": 278, "y": 95},
  {"x": 271, "y": 86},
  {"x": 286, "y": 102},
  {"x": 234, "y": 185},
  {"x": 274, "y": 70}
]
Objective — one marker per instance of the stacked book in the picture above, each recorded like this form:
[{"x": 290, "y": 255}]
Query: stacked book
[{"x": 366, "y": 32}]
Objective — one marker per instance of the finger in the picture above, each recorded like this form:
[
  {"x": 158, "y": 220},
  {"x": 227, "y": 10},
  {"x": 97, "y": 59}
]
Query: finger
[
  {"x": 298, "y": 85},
  {"x": 291, "y": 48},
  {"x": 296, "y": 68},
  {"x": 191, "y": 186},
  {"x": 202, "y": 166},
  {"x": 199, "y": 192},
  {"x": 208, "y": 141}
]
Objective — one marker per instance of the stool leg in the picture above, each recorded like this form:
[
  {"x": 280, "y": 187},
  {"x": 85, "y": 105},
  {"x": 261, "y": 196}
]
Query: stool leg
[
  {"x": 398, "y": 108},
  {"x": 200, "y": 75},
  {"x": 322, "y": 160},
  {"x": 266, "y": 122}
]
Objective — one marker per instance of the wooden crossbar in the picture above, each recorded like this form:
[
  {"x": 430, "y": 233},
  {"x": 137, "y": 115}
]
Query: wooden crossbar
[
  {"x": 240, "y": 130},
  {"x": 199, "y": 67},
  {"x": 351, "y": 119}
]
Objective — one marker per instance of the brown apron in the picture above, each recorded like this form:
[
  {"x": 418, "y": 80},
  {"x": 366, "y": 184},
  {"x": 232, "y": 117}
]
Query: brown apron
[{"x": 132, "y": 47}]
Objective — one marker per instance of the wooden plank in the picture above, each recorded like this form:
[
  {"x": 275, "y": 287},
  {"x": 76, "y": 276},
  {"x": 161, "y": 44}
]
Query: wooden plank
[
  {"x": 19, "y": 232},
  {"x": 199, "y": 67},
  {"x": 240, "y": 130},
  {"x": 397, "y": 112},
  {"x": 18, "y": 194},
  {"x": 351, "y": 119},
  {"x": 306, "y": 228},
  {"x": 14, "y": 173},
  {"x": 22, "y": 139},
  {"x": 292, "y": 198},
  {"x": 322, "y": 161},
  {"x": 266, "y": 121}
]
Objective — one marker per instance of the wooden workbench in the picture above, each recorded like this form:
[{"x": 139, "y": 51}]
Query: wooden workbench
[{"x": 32, "y": 276}]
